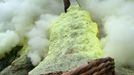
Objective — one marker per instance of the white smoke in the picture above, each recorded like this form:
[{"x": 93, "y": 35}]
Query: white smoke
[
  {"x": 38, "y": 40},
  {"x": 117, "y": 18},
  {"x": 8, "y": 40},
  {"x": 28, "y": 19}
]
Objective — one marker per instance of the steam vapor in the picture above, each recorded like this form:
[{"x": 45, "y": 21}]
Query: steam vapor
[{"x": 29, "y": 19}]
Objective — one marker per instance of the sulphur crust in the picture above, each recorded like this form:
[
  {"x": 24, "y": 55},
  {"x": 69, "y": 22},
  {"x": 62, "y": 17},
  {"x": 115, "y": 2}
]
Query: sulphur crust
[{"x": 72, "y": 42}]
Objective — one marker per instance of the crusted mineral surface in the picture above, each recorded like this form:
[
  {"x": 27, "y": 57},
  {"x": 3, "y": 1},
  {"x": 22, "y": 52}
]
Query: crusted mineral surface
[{"x": 72, "y": 42}]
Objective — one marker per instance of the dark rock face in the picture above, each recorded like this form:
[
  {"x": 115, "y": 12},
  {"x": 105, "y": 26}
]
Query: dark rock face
[
  {"x": 66, "y": 5},
  {"x": 20, "y": 66},
  {"x": 15, "y": 64},
  {"x": 9, "y": 57}
]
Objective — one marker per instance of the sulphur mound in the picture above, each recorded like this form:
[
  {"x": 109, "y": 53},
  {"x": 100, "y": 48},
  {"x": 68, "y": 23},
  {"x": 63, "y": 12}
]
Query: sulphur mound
[{"x": 72, "y": 42}]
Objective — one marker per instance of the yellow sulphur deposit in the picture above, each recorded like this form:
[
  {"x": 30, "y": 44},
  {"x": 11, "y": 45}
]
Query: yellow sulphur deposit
[{"x": 72, "y": 42}]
